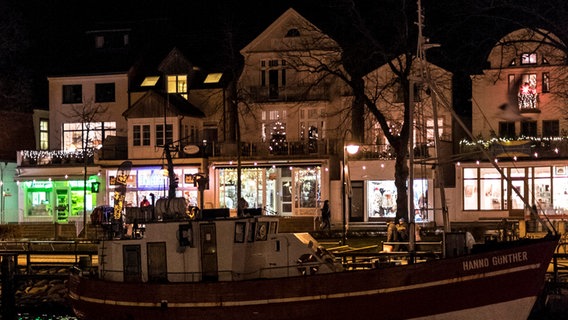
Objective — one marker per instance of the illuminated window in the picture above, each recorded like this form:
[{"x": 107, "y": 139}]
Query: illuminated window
[
  {"x": 75, "y": 134},
  {"x": 213, "y": 78},
  {"x": 44, "y": 134},
  {"x": 178, "y": 84},
  {"x": 150, "y": 81},
  {"x": 528, "y": 58},
  {"x": 545, "y": 82},
  {"x": 527, "y": 92}
]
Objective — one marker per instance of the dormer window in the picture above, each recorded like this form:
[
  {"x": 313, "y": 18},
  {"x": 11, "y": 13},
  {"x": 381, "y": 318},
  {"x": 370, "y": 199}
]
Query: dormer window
[
  {"x": 178, "y": 84},
  {"x": 528, "y": 58},
  {"x": 111, "y": 39},
  {"x": 292, "y": 33}
]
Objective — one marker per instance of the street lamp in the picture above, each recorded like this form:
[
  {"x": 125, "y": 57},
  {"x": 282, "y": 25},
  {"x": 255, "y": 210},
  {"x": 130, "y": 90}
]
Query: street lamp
[{"x": 349, "y": 148}]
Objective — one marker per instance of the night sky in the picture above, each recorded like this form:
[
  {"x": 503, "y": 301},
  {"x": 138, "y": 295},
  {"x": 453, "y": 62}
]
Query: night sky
[{"x": 51, "y": 32}]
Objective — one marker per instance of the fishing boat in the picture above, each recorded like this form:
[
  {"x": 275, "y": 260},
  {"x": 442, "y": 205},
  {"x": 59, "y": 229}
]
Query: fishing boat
[
  {"x": 243, "y": 268},
  {"x": 208, "y": 266}
]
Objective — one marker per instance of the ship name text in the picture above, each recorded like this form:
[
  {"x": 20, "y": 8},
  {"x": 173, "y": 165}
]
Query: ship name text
[{"x": 495, "y": 261}]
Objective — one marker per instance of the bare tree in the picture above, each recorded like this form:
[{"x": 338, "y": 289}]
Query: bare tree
[{"x": 88, "y": 114}]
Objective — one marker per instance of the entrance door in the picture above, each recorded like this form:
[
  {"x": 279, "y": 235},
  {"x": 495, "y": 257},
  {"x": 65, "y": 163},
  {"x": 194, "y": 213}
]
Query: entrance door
[
  {"x": 157, "y": 266},
  {"x": 62, "y": 206},
  {"x": 286, "y": 196},
  {"x": 357, "y": 201},
  {"x": 131, "y": 263},
  {"x": 516, "y": 205},
  {"x": 209, "y": 252}
]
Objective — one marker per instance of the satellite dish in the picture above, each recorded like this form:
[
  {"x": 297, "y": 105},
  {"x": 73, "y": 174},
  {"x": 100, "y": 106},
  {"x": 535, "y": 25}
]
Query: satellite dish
[{"x": 191, "y": 149}]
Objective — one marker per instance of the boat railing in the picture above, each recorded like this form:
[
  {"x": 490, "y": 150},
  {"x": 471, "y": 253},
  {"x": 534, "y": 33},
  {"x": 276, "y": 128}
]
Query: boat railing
[{"x": 307, "y": 268}]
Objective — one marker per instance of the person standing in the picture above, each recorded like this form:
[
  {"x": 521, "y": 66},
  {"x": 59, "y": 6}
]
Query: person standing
[
  {"x": 144, "y": 202},
  {"x": 325, "y": 216}
]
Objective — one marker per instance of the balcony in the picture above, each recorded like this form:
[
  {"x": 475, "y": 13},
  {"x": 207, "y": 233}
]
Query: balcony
[
  {"x": 34, "y": 158},
  {"x": 289, "y": 93},
  {"x": 520, "y": 148}
]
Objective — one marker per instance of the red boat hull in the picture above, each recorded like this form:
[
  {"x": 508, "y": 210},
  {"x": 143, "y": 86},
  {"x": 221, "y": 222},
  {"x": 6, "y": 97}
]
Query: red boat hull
[{"x": 497, "y": 284}]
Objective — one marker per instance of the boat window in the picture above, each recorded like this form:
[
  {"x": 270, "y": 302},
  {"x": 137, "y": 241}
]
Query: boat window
[
  {"x": 261, "y": 231},
  {"x": 240, "y": 232},
  {"x": 273, "y": 227},
  {"x": 251, "y": 231},
  {"x": 185, "y": 235}
]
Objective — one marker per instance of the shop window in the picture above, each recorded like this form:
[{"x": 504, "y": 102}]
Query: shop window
[
  {"x": 381, "y": 199},
  {"x": 491, "y": 189}
]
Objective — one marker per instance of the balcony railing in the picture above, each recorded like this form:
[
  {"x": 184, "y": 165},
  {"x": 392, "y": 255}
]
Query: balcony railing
[
  {"x": 289, "y": 93},
  {"x": 521, "y": 148},
  {"x": 54, "y": 157}
]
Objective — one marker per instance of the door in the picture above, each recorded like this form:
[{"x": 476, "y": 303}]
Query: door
[
  {"x": 516, "y": 205},
  {"x": 157, "y": 262},
  {"x": 62, "y": 206},
  {"x": 356, "y": 212},
  {"x": 131, "y": 263},
  {"x": 286, "y": 196},
  {"x": 208, "y": 252}
]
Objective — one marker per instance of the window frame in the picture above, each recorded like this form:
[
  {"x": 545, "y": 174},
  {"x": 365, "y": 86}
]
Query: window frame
[
  {"x": 105, "y": 92},
  {"x": 72, "y": 93}
]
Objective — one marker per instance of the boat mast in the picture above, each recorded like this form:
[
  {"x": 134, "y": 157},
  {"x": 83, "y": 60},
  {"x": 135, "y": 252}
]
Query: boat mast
[{"x": 422, "y": 46}]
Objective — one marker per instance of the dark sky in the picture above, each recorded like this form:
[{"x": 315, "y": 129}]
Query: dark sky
[{"x": 466, "y": 29}]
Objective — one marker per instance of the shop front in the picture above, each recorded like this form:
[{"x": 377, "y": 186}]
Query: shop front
[
  {"x": 374, "y": 193},
  {"x": 49, "y": 200},
  {"x": 287, "y": 190},
  {"x": 152, "y": 183},
  {"x": 485, "y": 192}
]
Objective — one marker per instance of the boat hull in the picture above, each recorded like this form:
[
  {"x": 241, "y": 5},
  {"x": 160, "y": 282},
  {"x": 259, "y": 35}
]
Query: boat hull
[{"x": 496, "y": 284}]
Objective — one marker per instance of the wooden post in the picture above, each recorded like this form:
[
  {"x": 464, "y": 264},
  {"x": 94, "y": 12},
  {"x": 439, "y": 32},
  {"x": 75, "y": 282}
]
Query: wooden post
[{"x": 8, "y": 288}]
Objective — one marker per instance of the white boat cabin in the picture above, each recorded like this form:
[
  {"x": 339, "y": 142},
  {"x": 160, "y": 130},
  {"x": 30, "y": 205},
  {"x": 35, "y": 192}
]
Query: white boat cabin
[{"x": 222, "y": 249}]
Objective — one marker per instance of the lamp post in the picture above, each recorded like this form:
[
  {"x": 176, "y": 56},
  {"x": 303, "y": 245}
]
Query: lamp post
[{"x": 349, "y": 148}]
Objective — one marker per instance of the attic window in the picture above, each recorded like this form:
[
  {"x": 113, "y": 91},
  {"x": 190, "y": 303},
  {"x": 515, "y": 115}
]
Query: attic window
[
  {"x": 512, "y": 63},
  {"x": 544, "y": 60},
  {"x": 293, "y": 33},
  {"x": 150, "y": 81},
  {"x": 528, "y": 58},
  {"x": 213, "y": 78}
]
